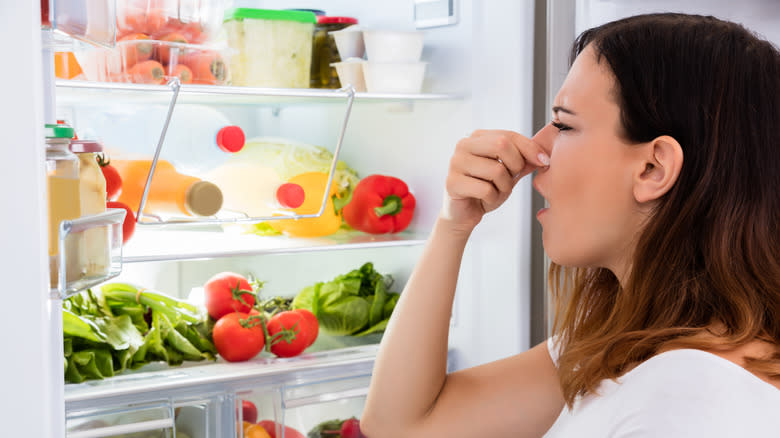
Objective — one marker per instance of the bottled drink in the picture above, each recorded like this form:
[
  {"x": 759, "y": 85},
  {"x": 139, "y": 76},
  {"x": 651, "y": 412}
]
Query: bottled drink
[
  {"x": 199, "y": 138},
  {"x": 171, "y": 193}
]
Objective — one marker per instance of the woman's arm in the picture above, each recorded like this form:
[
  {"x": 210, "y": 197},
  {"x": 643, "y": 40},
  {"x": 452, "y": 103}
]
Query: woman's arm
[{"x": 411, "y": 395}]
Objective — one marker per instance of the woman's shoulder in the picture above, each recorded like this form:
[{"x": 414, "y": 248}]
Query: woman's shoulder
[{"x": 698, "y": 383}]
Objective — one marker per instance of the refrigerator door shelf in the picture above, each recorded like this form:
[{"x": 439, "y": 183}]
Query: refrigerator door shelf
[{"x": 90, "y": 252}]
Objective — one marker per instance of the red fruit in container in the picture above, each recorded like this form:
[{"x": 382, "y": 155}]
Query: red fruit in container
[
  {"x": 128, "y": 226},
  {"x": 133, "y": 53},
  {"x": 164, "y": 50},
  {"x": 182, "y": 72},
  {"x": 248, "y": 411},
  {"x": 207, "y": 67},
  {"x": 351, "y": 429},
  {"x": 147, "y": 72}
]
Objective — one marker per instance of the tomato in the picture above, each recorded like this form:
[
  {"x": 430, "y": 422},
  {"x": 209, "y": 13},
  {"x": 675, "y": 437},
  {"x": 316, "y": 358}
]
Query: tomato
[
  {"x": 314, "y": 325},
  {"x": 270, "y": 427},
  {"x": 288, "y": 333},
  {"x": 238, "y": 336},
  {"x": 113, "y": 179},
  {"x": 351, "y": 429},
  {"x": 256, "y": 431},
  {"x": 128, "y": 226},
  {"x": 248, "y": 411},
  {"x": 228, "y": 292}
]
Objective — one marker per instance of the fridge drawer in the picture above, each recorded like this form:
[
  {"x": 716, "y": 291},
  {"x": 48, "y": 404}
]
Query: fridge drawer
[
  {"x": 304, "y": 409},
  {"x": 191, "y": 418}
]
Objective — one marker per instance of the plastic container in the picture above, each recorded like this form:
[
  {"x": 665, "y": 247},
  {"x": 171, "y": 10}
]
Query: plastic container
[
  {"x": 146, "y": 61},
  {"x": 393, "y": 46},
  {"x": 349, "y": 42},
  {"x": 325, "y": 52},
  {"x": 62, "y": 184},
  {"x": 198, "y": 21},
  {"x": 351, "y": 72},
  {"x": 199, "y": 138},
  {"x": 401, "y": 78},
  {"x": 93, "y": 255},
  {"x": 171, "y": 193},
  {"x": 273, "y": 47},
  {"x": 92, "y": 21}
]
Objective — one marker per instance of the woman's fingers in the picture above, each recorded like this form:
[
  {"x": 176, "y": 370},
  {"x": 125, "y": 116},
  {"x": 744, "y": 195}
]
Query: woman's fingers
[
  {"x": 518, "y": 153},
  {"x": 486, "y": 169}
]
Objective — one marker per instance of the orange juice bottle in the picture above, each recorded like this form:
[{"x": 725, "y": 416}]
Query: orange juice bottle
[{"x": 171, "y": 193}]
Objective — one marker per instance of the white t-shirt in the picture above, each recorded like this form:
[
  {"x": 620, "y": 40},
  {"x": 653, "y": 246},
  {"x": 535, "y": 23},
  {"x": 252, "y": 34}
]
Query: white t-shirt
[{"x": 679, "y": 393}]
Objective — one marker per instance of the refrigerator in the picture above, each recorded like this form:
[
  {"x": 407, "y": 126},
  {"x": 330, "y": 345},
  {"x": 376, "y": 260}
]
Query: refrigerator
[{"x": 493, "y": 64}]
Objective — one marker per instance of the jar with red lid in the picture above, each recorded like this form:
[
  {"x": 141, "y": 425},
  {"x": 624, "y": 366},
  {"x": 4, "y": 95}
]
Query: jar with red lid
[{"x": 324, "y": 51}]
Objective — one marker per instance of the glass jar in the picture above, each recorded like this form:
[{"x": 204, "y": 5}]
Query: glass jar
[
  {"x": 62, "y": 184},
  {"x": 325, "y": 52},
  {"x": 92, "y": 254}
]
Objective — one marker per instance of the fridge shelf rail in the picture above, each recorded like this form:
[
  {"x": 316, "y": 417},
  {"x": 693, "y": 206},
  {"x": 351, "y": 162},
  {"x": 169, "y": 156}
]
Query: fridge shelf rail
[
  {"x": 75, "y": 91},
  {"x": 190, "y": 381},
  {"x": 80, "y": 240},
  {"x": 155, "y": 245}
]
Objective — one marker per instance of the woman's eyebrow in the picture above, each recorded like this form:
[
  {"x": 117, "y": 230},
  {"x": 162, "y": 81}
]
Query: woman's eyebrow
[{"x": 556, "y": 109}]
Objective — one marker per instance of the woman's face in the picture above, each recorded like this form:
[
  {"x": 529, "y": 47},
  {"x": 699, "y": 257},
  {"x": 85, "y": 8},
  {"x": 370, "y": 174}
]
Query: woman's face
[{"x": 592, "y": 216}]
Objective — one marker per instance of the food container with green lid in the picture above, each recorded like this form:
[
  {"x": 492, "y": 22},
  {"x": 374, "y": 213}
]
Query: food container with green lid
[{"x": 273, "y": 47}]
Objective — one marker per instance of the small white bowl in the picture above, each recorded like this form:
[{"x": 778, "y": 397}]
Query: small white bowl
[
  {"x": 351, "y": 72},
  {"x": 395, "y": 77},
  {"x": 393, "y": 46},
  {"x": 349, "y": 42}
]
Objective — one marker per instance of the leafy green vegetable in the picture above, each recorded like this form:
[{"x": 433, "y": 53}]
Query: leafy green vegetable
[
  {"x": 119, "y": 326},
  {"x": 326, "y": 429},
  {"x": 357, "y": 302}
]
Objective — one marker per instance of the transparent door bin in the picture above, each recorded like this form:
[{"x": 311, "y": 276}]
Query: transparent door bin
[
  {"x": 149, "y": 420},
  {"x": 91, "y": 21},
  {"x": 258, "y": 408},
  {"x": 90, "y": 252},
  {"x": 196, "y": 418},
  {"x": 319, "y": 410},
  {"x": 225, "y": 215}
]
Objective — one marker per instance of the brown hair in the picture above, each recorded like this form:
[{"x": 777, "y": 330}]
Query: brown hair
[{"x": 710, "y": 252}]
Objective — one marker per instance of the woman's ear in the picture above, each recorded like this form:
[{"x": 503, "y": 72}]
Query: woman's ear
[{"x": 659, "y": 169}]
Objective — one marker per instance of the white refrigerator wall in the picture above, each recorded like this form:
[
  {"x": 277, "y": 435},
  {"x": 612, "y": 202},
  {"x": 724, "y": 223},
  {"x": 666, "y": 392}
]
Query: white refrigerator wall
[{"x": 486, "y": 59}]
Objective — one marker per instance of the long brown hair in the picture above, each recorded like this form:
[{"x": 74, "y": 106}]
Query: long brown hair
[{"x": 710, "y": 252}]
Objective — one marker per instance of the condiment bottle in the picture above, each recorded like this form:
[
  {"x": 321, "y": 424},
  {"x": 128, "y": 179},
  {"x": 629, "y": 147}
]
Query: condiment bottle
[
  {"x": 171, "y": 193},
  {"x": 325, "y": 52},
  {"x": 94, "y": 253},
  {"x": 62, "y": 183}
]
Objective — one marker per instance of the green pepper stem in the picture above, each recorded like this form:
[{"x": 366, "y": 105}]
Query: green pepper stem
[{"x": 391, "y": 205}]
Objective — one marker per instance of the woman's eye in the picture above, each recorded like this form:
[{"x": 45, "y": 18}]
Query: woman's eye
[{"x": 560, "y": 126}]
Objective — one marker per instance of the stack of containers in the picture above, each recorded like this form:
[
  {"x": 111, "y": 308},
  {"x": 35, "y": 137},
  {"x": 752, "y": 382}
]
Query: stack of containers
[
  {"x": 161, "y": 39},
  {"x": 393, "y": 60}
]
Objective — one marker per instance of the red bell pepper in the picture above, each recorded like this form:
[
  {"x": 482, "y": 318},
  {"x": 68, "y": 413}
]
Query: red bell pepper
[{"x": 380, "y": 204}]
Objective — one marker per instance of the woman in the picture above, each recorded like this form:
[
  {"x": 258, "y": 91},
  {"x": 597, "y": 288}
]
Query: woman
[{"x": 661, "y": 168}]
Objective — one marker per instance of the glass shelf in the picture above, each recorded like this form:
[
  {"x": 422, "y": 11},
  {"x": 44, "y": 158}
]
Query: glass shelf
[
  {"x": 90, "y": 252},
  {"x": 85, "y": 92},
  {"x": 195, "y": 378},
  {"x": 156, "y": 244}
]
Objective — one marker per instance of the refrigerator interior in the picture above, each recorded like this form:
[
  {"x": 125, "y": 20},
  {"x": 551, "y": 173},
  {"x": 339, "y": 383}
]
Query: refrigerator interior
[{"x": 482, "y": 69}]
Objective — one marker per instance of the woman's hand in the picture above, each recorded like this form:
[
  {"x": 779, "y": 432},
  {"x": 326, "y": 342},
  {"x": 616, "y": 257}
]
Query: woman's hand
[{"x": 483, "y": 171}]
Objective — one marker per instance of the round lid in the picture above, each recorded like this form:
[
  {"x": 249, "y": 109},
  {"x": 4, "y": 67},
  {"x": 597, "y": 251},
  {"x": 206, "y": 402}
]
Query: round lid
[
  {"x": 270, "y": 14},
  {"x": 82, "y": 146},
  {"x": 203, "y": 199},
  {"x": 336, "y": 20},
  {"x": 231, "y": 139},
  {"x": 290, "y": 195},
  {"x": 58, "y": 131}
]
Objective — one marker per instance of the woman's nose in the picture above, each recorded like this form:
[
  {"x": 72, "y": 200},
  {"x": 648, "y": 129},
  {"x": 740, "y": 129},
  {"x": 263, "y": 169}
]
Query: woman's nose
[{"x": 544, "y": 137}]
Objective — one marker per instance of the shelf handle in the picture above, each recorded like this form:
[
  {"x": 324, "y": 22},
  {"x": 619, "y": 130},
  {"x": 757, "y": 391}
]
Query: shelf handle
[{"x": 122, "y": 429}]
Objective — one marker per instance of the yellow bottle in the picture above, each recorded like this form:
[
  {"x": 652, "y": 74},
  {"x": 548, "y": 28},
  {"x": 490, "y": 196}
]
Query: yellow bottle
[{"x": 313, "y": 184}]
